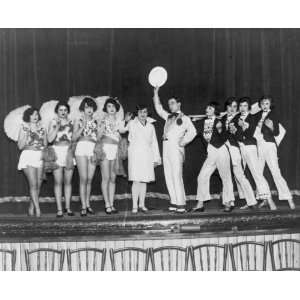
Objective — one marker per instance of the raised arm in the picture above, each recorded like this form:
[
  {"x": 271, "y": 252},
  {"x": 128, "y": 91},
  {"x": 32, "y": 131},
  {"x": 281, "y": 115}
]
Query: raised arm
[
  {"x": 23, "y": 136},
  {"x": 77, "y": 131},
  {"x": 190, "y": 133},
  {"x": 52, "y": 130},
  {"x": 158, "y": 106}
]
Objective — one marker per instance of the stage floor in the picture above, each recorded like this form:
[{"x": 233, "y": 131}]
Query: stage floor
[{"x": 15, "y": 224}]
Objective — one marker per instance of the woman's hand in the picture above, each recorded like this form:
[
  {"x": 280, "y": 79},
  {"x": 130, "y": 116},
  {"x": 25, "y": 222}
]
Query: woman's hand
[{"x": 128, "y": 116}]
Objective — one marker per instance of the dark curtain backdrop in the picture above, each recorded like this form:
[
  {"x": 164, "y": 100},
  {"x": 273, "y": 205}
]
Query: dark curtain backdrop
[{"x": 37, "y": 65}]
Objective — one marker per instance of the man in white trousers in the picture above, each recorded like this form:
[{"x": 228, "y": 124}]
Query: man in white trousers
[
  {"x": 212, "y": 134},
  {"x": 244, "y": 129},
  {"x": 244, "y": 187},
  {"x": 178, "y": 132},
  {"x": 268, "y": 125}
]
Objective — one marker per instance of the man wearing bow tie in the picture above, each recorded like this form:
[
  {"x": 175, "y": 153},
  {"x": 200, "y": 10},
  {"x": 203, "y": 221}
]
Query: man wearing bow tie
[
  {"x": 178, "y": 132},
  {"x": 245, "y": 125}
]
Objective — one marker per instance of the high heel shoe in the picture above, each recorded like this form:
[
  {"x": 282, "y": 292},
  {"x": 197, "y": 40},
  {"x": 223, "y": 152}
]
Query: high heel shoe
[
  {"x": 83, "y": 212},
  {"x": 108, "y": 210},
  {"x": 31, "y": 211},
  {"x": 37, "y": 212},
  {"x": 69, "y": 212},
  {"x": 144, "y": 210},
  {"x": 114, "y": 210},
  {"x": 59, "y": 214},
  {"x": 135, "y": 210},
  {"x": 291, "y": 204},
  {"x": 89, "y": 210}
]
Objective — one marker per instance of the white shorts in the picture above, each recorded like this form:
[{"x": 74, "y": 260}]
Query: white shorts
[
  {"x": 61, "y": 154},
  {"x": 110, "y": 151},
  {"x": 30, "y": 158},
  {"x": 85, "y": 148}
]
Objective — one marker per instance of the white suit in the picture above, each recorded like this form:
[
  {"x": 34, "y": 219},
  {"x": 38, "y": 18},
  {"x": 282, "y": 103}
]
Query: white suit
[{"x": 175, "y": 132}]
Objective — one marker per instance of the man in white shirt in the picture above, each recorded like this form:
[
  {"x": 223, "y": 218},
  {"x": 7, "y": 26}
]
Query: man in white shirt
[{"x": 178, "y": 132}]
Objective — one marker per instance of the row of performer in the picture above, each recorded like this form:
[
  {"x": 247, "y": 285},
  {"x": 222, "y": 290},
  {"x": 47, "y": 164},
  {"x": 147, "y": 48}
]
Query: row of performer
[{"x": 233, "y": 140}]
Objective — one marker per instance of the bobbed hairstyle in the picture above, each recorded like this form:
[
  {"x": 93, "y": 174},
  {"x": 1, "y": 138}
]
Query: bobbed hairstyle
[
  {"x": 112, "y": 101},
  {"x": 62, "y": 103},
  {"x": 88, "y": 101},
  {"x": 264, "y": 97},
  {"x": 229, "y": 101},
  {"x": 215, "y": 105},
  {"x": 247, "y": 100},
  {"x": 29, "y": 112}
]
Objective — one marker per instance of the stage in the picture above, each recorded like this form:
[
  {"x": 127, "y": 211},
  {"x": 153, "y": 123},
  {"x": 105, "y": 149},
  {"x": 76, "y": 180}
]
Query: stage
[{"x": 157, "y": 223}]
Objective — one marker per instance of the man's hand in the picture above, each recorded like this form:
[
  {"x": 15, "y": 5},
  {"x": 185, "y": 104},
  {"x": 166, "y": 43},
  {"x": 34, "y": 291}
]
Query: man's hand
[
  {"x": 269, "y": 124},
  {"x": 232, "y": 128},
  {"x": 156, "y": 89}
]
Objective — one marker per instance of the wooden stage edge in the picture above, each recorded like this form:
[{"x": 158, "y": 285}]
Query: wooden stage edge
[{"x": 157, "y": 224}]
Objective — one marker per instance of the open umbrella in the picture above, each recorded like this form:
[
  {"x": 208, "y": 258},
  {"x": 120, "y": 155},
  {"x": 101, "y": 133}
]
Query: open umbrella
[
  {"x": 47, "y": 112},
  {"x": 13, "y": 122}
]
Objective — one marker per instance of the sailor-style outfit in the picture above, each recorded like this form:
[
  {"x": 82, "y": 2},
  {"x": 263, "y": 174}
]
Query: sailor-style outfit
[
  {"x": 87, "y": 141},
  {"x": 143, "y": 151},
  {"x": 249, "y": 153},
  {"x": 211, "y": 133},
  {"x": 243, "y": 185},
  {"x": 31, "y": 156},
  {"x": 267, "y": 151},
  {"x": 62, "y": 142},
  {"x": 178, "y": 129}
]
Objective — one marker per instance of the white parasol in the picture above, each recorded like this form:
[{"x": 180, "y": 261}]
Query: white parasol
[
  {"x": 13, "y": 122},
  {"x": 47, "y": 112}
]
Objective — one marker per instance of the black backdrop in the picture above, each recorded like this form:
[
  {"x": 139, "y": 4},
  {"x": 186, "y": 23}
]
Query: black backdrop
[{"x": 37, "y": 65}]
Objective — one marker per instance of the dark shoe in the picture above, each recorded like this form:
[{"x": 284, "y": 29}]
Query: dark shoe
[
  {"x": 83, "y": 212},
  {"x": 108, "y": 210},
  {"x": 70, "y": 213},
  {"x": 197, "y": 209},
  {"x": 228, "y": 208},
  {"x": 181, "y": 210},
  {"x": 114, "y": 210},
  {"x": 89, "y": 210},
  {"x": 59, "y": 214},
  {"x": 144, "y": 210}
]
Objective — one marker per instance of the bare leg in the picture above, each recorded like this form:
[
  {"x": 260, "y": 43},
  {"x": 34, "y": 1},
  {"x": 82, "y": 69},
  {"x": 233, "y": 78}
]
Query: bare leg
[
  {"x": 104, "y": 183},
  {"x": 90, "y": 176},
  {"x": 143, "y": 189},
  {"x": 135, "y": 189},
  {"x": 31, "y": 175},
  {"x": 40, "y": 175},
  {"x": 82, "y": 162},
  {"x": 58, "y": 181},
  {"x": 112, "y": 182},
  {"x": 68, "y": 174}
]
